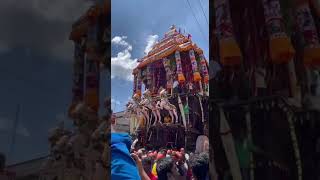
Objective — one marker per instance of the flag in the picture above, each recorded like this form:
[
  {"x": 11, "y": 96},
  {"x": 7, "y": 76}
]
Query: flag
[
  {"x": 186, "y": 109},
  {"x": 189, "y": 36}
]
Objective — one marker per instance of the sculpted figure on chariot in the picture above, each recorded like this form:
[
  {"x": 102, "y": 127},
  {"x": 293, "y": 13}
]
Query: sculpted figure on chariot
[
  {"x": 165, "y": 104},
  {"x": 150, "y": 103},
  {"x": 55, "y": 135},
  {"x": 139, "y": 111},
  {"x": 82, "y": 154},
  {"x": 84, "y": 118},
  {"x": 59, "y": 158}
]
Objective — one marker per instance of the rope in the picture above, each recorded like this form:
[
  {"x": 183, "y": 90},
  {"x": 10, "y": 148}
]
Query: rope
[
  {"x": 196, "y": 20},
  {"x": 202, "y": 115},
  {"x": 204, "y": 14}
]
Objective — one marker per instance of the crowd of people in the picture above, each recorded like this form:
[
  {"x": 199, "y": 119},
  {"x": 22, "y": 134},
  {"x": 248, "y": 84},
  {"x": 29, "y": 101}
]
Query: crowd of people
[{"x": 127, "y": 162}]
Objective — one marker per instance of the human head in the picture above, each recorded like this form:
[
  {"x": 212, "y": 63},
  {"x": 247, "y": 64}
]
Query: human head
[
  {"x": 154, "y": 155},
  {"x": 166, "y": 169},
  {"x": 147, "y": 164},
  {"x": 160, "y": 156},
  {"x": 150, "y": 154},
  {"x": 177, "y": 156},
  {"x": 199, "y": 164},
  {"x": 182, "y": 150},
  {"x": 162, "y": 150}
]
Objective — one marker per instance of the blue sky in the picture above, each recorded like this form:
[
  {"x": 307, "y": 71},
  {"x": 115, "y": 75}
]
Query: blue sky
[{"x": 138, "y": 24}]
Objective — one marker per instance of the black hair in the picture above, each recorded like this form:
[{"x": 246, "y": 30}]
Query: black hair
[
  {"x": 147, "y": 163},
  {"x": 199, "y": 164},
  {"x": 162, "y": 150},
  {"x": 164, "y": 167},
  {"x": 147, "y": 160}
]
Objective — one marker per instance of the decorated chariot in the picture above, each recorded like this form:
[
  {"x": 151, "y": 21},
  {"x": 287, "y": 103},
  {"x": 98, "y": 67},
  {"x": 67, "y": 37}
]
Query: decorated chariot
[
  {"x": 170, "y": 92},
  {"x": 83, "y": 153}
]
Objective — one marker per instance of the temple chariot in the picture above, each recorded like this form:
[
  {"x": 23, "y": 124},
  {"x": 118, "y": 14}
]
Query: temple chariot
[{"x": 169, "y": 106}]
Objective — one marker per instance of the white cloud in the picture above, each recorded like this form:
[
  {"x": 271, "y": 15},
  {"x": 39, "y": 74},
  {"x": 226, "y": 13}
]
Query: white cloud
[
  {"x": 117, "y": 40},
  {"x": 113, "y": 101},
  {"x": 49, "y": 21},
  {"x": 67, "y": 11},
  {"x": 151, "y": 40},
  {"x": 123, "y": 64},
  {"x": 6, "y": 126}
]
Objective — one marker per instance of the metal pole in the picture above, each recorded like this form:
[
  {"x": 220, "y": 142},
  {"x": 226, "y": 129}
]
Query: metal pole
[{"x": 14, "y": 130}]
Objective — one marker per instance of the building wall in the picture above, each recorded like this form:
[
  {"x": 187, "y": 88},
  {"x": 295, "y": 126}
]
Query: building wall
[
  {"x": 122, "y": 122},
  {"x": 28, "y": 170}
]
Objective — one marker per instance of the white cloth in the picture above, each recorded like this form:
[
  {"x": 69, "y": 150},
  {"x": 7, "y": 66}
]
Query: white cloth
[
  {"x": 175, "y": 84},
  {"x": 260, "y": 75},
  {"x": 187, "y": 156},
  {"x": 202, "y": 144},
  {"x": 229, "y": 147}
]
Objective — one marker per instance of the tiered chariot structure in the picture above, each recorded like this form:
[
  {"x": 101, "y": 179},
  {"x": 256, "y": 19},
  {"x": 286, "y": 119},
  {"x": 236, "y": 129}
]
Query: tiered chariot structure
[
  {"x": 83, "y": 153},
  {"x": 267, "y": 90},
  {"x": 172, "y": 108}
]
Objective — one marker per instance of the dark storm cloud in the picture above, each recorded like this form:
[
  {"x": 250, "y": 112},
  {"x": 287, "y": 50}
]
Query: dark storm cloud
[
  {"x": 41, "y": 26},
  {"x": 34, "y": 47}
]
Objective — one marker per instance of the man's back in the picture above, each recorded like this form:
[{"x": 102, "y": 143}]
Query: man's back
[{"x": 122, "y": 165}]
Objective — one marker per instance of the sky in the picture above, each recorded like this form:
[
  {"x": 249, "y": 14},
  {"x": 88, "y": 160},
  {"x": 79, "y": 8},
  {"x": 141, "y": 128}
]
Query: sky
[
  {"x": 137, "y": 25},
  {"x": 36, "y": 71}
]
